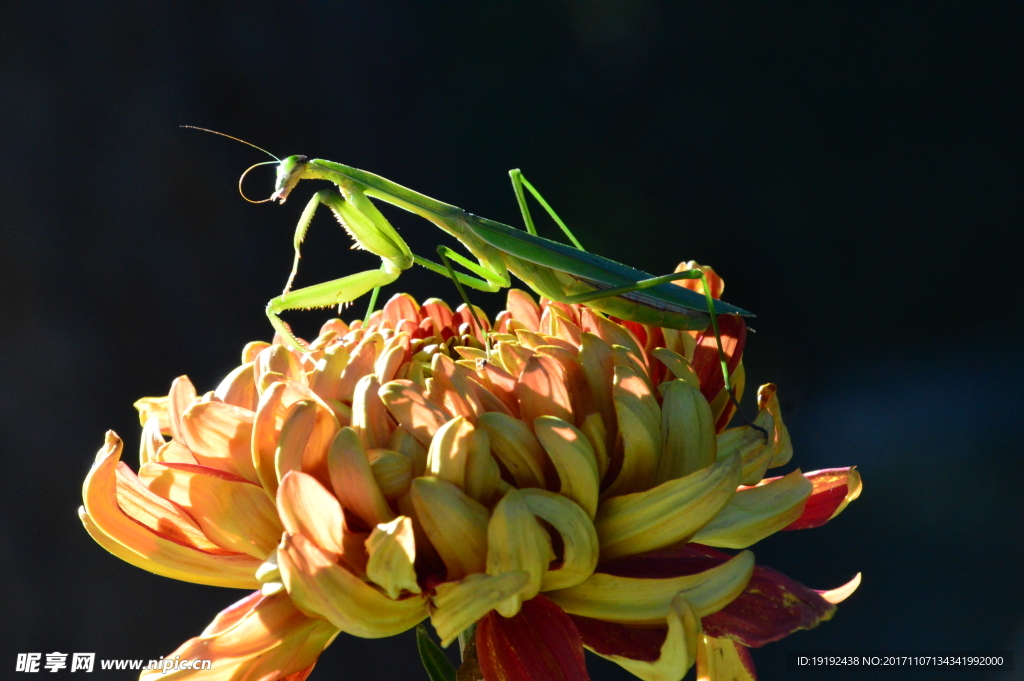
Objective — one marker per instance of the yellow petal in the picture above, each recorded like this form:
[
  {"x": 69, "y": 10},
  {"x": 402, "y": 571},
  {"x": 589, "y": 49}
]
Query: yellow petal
[
  {"x": 517, "y": 448},
  {"x": 458, "y": 605},
  {"x": 220, "y": 436},
  {"x": 449, "y": 450},
  {"x": 320, "y": 587},
  {"x": 757, "y": 512},
  {"x": 232, "y": 512},
  {"x": 409, "y": 404},
  {"x": 687, "y": 431},
  {"x": 768, "y": 401},
  {"x": 516, "y": 541},
  {"x": 154, "y": 407},
  {"x": 579, "y": 538},
  {"x": 455, "y": 524},
  {"x": 574, "y": 459},
  {"x": 132, "y": 542},
  {"x": 639, "y": 418},
  {"x": 325, "y": 379},
  {"x": 678, "y": 652},
  {"x": 295, "y": 435},
  {"x": 482, "y": 474},
  {"x": 630, "y": 600},
  {"x": 392, "y": 471},
  {"x": 353, "y": 481},
  {"x": 667, "y": 514},
  {"x": 513, "y": 357},
  {"x": 678, "y": 365},
  {"x": 260, "y": 637},
  {"x": 392, "y": 549},
  {"x": 719, "y": 659},
  {"x": 598, "y": 364},
  {"x": 749, "y": 445}
]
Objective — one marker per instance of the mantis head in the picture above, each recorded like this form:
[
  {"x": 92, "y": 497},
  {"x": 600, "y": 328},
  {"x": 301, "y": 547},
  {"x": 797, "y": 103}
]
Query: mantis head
[{"x": 289, "y": 172}]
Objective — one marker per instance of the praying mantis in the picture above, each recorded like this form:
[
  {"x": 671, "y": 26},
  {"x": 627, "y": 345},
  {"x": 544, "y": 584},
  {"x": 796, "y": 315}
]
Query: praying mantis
[{"x": 566, "y": 274}]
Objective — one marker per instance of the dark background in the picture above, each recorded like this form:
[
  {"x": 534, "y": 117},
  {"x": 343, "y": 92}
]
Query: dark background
[{"x": 853, "y": 170}]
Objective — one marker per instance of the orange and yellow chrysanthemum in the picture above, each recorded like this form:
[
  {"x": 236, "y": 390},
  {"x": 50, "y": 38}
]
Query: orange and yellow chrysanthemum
[{"x": 568, "y": 487}]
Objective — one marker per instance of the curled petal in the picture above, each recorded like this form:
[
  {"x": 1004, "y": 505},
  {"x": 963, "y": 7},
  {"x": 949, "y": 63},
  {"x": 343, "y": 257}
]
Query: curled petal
[
  {"x": 538, "y": 644},
  {"x": 392, "y": 470},
  {"x": 392, "y": 550},
  {"x": 136, "y": 544},
  {"x": 749, "y": 445},
  {"x": 687, "y": 431},
  {"x": 453, "y": 387},
  {"x": 647, "y": 601},
  {"x": 757, "y": 512},
  {"x": 639, "y": 418},
  {"x": 458, "y": 605},
  {"x": 667, "y": 514},
  {"x": 181, "y": 395},
  {"x": 573, "y": 458},
  {"x": 455, "y": 524},
  {"x": 516, "y": 541},
  {"x": 359, "y": 364},
  {"x": 260, "y": 637},
  {"x": 400, "y": 307},
  {"x": 834, "y": 489},
  {"x": 598, "y": 364},
  {"x": 321, "y": 587},
  {"x": 308, "y": 509},
  {"x": 517, "y": 448},
  {"x": 705, "y": 358},
  {"x": 782, "y": 445},
  {"x": 579, "y": 538},
  {"x": 841, "y": 593}
]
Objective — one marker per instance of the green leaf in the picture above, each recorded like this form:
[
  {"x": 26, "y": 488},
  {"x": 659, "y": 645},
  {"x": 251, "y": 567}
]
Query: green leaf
[{"x": 437, "y": 665}]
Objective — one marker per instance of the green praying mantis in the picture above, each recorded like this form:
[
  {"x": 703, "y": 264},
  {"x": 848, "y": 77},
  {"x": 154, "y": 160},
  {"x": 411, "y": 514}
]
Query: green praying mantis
[{"x": 566, "y": 274}]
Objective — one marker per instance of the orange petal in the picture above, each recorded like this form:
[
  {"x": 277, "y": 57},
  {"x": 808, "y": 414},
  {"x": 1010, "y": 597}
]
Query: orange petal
[
  {"x": 361, "y": 364},
  {"x": 583, "y": 403},
  {"x": 408, "y": 403},
  {"x": 353, "y": 481},
  {"x": 524, "y": 308},
  {"x": 239, "y": 388},
  {"x": 401, "y": 307},
  {"x": 260, "y": 637},
  {"x": 369, "y": 415},
  {"x": 136, "y": 544},
  {"x": 453, "y": 388},
  {"x": 310, "y": 510},
  {"x": 180, "y": 397},
  {"x": 220, "y": 436},
  {"x": 325, "y": 380},
  {"x": 234, "y": 513},
  {"x": 716, "y": 282},
  {"x": 543, "y": 391},
  {"x": 438, "y": 312}
]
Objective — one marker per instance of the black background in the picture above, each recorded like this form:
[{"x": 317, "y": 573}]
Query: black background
[{"x": 853, "y": 170}]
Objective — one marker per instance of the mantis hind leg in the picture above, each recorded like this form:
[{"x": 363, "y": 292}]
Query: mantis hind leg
[
  {"x": 518, "y": 183},
  {"x": 676, "y": 276}
]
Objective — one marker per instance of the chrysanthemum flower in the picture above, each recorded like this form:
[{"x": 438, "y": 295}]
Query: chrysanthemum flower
[{"x": 568, "y": 487}]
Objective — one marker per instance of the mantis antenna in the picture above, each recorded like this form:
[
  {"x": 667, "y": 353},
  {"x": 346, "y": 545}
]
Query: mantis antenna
[{"x": 242, "y": 178}]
